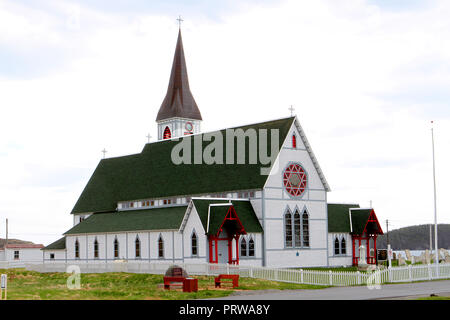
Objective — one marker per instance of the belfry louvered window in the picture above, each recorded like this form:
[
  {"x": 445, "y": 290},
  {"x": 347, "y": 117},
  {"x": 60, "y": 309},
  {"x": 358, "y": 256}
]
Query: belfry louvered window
[{"x": 167, "y": 134}]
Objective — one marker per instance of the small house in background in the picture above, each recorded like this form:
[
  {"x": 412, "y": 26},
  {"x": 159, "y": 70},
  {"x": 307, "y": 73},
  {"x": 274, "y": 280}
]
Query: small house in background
[{"x": 17, "y": 250}]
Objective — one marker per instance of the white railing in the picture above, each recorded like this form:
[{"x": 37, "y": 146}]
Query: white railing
[
  {"x": 17, "y": 264},
  {"x": 302, "y": 276}
]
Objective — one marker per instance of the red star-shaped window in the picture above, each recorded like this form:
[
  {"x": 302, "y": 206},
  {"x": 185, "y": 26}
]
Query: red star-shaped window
[{"x": 294, "y": 179}]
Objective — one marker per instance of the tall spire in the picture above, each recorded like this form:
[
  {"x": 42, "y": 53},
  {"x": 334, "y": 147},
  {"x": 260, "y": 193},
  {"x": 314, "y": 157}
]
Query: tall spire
[{"x": 179, "y": 102}]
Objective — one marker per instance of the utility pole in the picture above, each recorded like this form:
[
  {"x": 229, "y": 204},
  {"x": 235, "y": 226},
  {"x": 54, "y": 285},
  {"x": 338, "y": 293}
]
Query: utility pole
[
  {"x": 387, "y": 231},
  {"x": 431, "y": 239},
  {"x": 435, "y": 210},
  {"x": 6, "y": 240},
  {"x": 388, "y": 245}
]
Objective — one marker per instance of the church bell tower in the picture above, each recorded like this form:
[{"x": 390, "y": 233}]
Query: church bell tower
[{"x": 178, "y": 115}]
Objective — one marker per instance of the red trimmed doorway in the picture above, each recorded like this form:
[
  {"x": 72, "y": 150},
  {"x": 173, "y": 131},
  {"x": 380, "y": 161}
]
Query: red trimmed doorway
[{"x": 224, "y": 242}]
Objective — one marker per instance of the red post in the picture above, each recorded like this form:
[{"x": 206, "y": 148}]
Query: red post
[
  {"x": 353, "y": 251},
  {"x": 375, "y": 249},
  {"x": 368, "y": 249},
  {"x": 217, "y": 254},
  {"x": 237, "y": 249},
  {"x": 210, "y": 250},
  {"x": 230, "y": 251}
]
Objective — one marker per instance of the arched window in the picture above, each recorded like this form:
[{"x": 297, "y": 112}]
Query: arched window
[
  {"x": 116, "y": 248},
  {"x": 194, "y": 244},
  {"x": 343, "y": 246},
  {"x": 288, "y": 229},
  {"x": 167, "y": 134},
  {"x": 294, "y": 141},
  {"x": 305, "y": 223},
  {"x": 243, "y": 247},
  {"x": 297, "y": 236},
  {"x": 77, "y": 249},
  {"x": 160, "y": 247},
  {"x": 251, "y": 248},
  {"x": 95, "y": 248},
  {"x": 137, "y": 247},
  {"x": 336, "y": 246}
]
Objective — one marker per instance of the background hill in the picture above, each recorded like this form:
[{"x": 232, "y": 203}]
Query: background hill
[
  {"x": 416, "y": 237},
  {"x": 13, "y": 241}
]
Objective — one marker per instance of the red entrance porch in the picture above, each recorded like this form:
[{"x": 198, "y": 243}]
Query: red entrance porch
[{"x": 221, "y": 239}]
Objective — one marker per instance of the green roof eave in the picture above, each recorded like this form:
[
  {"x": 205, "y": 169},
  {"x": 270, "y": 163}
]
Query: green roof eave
[
  {"x": 59, "y": 244},
  {"x": 359, "y": 220},
  {"x": 167, "y": 218},
  {"x": 338, "y": 217}
]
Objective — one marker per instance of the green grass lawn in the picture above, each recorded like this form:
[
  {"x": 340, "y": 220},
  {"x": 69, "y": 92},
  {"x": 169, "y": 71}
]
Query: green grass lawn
[
  {"x": 434, "y": 298},
  {"x": 30, "y": 285}
]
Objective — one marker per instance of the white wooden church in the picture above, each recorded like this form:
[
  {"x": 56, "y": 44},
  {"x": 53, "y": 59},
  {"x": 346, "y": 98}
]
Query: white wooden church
[{"x": 148, "y": 207}]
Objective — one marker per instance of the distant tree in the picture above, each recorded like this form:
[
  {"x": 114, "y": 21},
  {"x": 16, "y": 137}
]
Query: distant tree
[{"x": 416, "y": 237}]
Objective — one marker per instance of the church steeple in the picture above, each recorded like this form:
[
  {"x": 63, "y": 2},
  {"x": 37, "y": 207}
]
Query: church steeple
[{"x": 178, "y": 114}]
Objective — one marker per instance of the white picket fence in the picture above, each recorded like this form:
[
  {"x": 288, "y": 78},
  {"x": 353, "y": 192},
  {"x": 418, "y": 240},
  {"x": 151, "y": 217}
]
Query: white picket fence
[{"x": 302, "y": 276}]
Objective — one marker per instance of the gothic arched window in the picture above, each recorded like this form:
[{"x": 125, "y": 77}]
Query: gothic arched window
[
  {"x": 167, "y": 134},
  {"x": 305, "y": 223},
  {"x": 294, "y": 141},
  {"x": 137, "y": 247},
  {"x": 95, "y": 248},
  {"x": 243, "y": 247},
  {"x": 77, "y": 249},
  {"x": 251, "y": 248},
  {"x": 160, "y": 247},
  {"x": 288, "y": 229},
  {"x": 343, "y": 246},
  {"x": 336, "y": 246},
  {"x": 194, "y": 244},
  {"x": 297, "y": 236},
  {"x": 116, "y": 248}
]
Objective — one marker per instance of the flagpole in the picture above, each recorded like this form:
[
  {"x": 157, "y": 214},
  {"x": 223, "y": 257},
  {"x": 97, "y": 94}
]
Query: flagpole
[{"x": 435, "y": 210}]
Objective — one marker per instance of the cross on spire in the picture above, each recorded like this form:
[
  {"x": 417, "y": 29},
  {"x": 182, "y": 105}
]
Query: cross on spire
[
  {"x": 291, "y": 109},
  {"x": 179, "y": 21},
  {"x": 148, "y": 137},
  {"x": 104, "y": 152}
]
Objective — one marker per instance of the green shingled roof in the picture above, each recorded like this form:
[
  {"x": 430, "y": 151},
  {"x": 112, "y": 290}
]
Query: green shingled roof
[
  {"x": 149, "y": 219},
  {"x": 338, "y": 217},
  {"x": 244, "y": 211},
  {"x": 359, "y": 220},
  {"x": 152, "y": 174},
  {"x": 59, "y": 244}
]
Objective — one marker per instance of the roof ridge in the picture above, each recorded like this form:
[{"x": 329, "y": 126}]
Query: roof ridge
[{"x": 201, "y": 133}]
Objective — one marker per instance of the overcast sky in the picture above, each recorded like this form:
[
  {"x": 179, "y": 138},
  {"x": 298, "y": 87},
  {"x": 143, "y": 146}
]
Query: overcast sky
[{"x": 365, "y": 77}]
